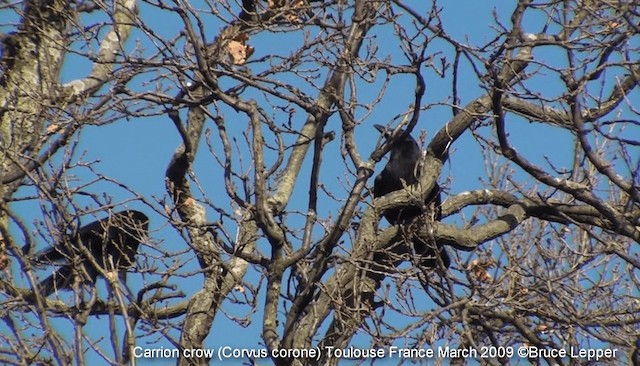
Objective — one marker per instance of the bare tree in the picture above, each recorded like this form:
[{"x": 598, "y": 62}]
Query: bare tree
[{"x": 274, "y": 104}]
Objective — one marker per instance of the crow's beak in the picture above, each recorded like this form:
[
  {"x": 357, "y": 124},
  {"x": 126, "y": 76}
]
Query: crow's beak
[{"x": 381, "y": 128}]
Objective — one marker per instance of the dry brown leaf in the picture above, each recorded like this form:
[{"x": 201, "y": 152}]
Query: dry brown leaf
[
  {"x": 479, "y": 270},
  {"x": 239, "y": 288},
  {"x": 274, "y": 4},
  {"x": 250, "y": 51},
  {"x": 238, "y": 52},
  {"x": 4, "y": 261},
  {"x": 241, "y": 37},
  {"x": 483, "y": 276},
  {"x": 53, "y": 128},
  {"x": 542, "y": 328}
]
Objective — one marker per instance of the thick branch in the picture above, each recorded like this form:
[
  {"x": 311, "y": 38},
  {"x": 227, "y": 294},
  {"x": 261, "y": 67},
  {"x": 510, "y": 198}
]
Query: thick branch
[{"x": 476, "y": 110}]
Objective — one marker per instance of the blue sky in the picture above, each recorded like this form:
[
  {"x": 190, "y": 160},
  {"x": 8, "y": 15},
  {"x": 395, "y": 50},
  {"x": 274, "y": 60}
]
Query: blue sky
[{"x": 136, "y": 152}]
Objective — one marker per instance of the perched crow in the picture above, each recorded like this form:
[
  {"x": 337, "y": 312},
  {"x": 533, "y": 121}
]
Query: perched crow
[
  {"x": 112, "y": 242},
  {"x": 405, "y": 154}
]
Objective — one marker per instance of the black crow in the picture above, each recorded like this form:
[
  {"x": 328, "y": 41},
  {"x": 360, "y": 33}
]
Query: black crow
[
  {"x": 112, "y": 242},
  {"x": 399, "y": 172}
]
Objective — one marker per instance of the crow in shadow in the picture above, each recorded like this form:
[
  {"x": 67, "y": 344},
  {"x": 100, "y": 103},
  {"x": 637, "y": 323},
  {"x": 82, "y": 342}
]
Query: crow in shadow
[
  {"x": 111, "y": 242},
  {"x": 400, "y": 172}
]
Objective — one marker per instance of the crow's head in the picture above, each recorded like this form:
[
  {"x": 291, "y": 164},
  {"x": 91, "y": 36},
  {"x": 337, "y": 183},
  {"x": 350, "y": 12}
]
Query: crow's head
[{"x": 403, "y": 147}]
